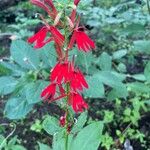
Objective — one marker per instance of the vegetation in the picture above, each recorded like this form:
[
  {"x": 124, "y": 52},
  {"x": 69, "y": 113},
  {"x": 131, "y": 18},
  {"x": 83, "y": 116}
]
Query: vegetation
[{"x": 117, "y": 72}]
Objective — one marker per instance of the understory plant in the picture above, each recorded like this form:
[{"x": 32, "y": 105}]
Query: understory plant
[{"x": 66, "y": 79}]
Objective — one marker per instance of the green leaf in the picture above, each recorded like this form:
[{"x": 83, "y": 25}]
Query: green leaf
[
  {"x": 104, "y": 62},
  {"x": 51, "y": 125},
  {"x": 18, "y": 147},
  {"x": 17, "y": 108},
  {"x": 47, "y": 55},
  {"x": 2, "y": 141},
  {"x": 138, "y": 87},
  {"x": 33, "y": 91},
  {"x": 16, "y": 70},
  {"x": 147, "y": 71},
  {"x": 96, "y": 88},
  {"x": 4, "y": 70},
  {"x": 119, "y": 54},
  {"x": 84, "y": 60},
  {"x": 89, "y": 137},
  {"x": 24, "y": 55},
  {"x": 142, "y": 46},
  {"x": 80, "y": 122},
  {"x": 7, "y": 85},
  {"x": 110, "y": 79},
  {"x": 43, "y": 146}
]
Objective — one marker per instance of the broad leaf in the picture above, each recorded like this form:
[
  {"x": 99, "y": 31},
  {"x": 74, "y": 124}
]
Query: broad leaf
[
  {"x": 7, "y": 85},
  {"x": 96, "y": 88},
  {"x": 89, "y": 137},
  {"x": 17, "y": 108},
  {"x": 51, "y": 125},
  {"x": 43, "y": 146},
  {"x": 24, "y": 55}
]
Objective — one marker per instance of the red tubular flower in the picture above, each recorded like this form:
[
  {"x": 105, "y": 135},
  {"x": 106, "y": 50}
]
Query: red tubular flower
[
  {"x": 42, "y": 5},
  {"x": 77, "y": 102},
  {"x": 60, "y": 72},
  {"x": 76, "y": 2},
  {"x": 39, "y": 38},
  {"x": 62, "y": 121},
  {"x": 78, "y": 81},
  {"x": 82, "y": 40},
  {"x": 49, "y": 91},
  {"x": 65, "y": 72},
  {"x": 58, "y": 37},
  {"x": 50, "y": 3}
]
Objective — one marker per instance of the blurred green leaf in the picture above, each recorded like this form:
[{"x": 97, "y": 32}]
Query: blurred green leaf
[
  {"x": 24, "y": 55},
  {"x": 96, "y": 88},
  {"x": 17, "y": 108},
  {"x": 7, "y": 85},
  {"x": 51, "y": 125},
  {"x": 89, "y": 137}
]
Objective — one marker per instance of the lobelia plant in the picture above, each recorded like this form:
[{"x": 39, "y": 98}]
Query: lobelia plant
[{"x": 66, "y": 79}]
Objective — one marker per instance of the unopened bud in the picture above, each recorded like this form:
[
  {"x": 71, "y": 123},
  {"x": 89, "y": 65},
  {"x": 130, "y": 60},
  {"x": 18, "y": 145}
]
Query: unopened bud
[
  {"x": 70, "y": 22},
  {"x": 57, "y": 18}
]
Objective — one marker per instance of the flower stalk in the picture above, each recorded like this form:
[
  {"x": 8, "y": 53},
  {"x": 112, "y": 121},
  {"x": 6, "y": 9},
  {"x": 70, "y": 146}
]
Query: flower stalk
[{"x": 65, "y": 75}]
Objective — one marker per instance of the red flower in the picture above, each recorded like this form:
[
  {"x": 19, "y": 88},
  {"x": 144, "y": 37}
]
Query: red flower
[
  {"x": 62, "y": 121},
  {"x": 77, "y": 102},
  {"x": 76, "y": 2},
  {"x": 49, "y": 91},
  {"x": 42, "y": 5},
  {"x": 39, "y": 38},
  {"x": 77, "y": 81},
  {"x": 82, "y": 40},
  {"x": 60, "y": 72},
  {"x": 58, "y": 37},
  {"x": 65, "y": 72}
]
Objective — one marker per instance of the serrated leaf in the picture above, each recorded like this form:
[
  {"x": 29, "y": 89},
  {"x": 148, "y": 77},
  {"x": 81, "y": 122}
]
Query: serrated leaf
[
  {"x": 24, "y": 55},
  {"x": 89, "y": 137},
  {"x": 7, "y": 85},
  {"x": 17, "y": 108}
]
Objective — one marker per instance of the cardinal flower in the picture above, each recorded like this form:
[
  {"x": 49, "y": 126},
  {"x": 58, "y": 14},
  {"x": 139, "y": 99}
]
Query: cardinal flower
[
  {"x": 60, "y": 72},
  {"x": 39, "y": 38},
  {"x": 77, "y": 81},
  {"x": 82, "y": 40},
  {"x": 77, "y": 102},
  {"x": 49, "y": 91}
]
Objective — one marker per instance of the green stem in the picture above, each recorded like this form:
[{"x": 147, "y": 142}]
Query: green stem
[
  {"x": 148, "y": 6},
  {"x": 67, "y": 115}
]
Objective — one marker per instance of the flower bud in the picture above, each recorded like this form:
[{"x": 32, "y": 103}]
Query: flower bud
[
  {"x": 56, "y": 21},
  {"x": 70, "y": 22}
]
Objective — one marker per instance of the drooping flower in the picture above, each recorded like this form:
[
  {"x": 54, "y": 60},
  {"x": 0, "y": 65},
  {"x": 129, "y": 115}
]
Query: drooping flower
[
  {"x": 62, "y": 121},
  {"x": 42, "y": 5},
  {"x": 76, "y": 2},
  {"x": 58, "y": 37},
  {"x": 82, "y": 40},
  {"x": 49, "y": 92},
  {"x": 77, "y": 102},
  {"x": 77, "y": 81},
  {"x": 66, "y": 73},
  {"x": 39, "y": 38},
  {"x": 60, "y": 72}
]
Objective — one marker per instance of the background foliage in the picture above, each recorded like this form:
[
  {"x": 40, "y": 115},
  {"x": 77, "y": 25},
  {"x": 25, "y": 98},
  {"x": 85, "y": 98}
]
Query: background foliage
[{"x": 118, "y": 74}]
